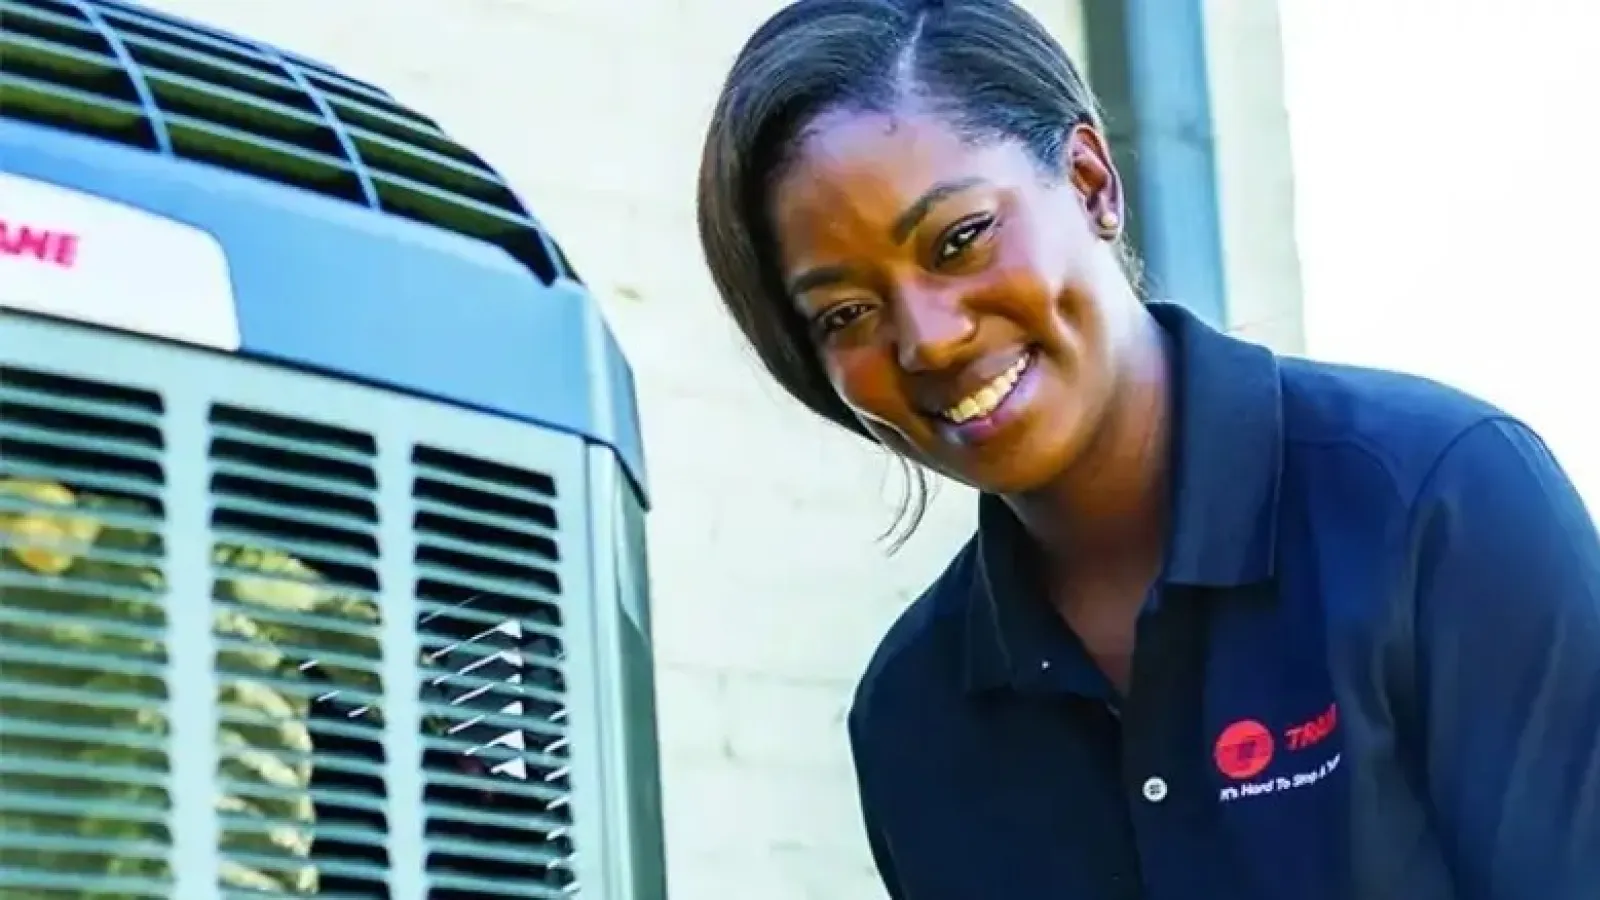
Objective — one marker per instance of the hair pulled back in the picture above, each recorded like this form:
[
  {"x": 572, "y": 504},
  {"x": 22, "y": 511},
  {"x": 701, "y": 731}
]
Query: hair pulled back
[{"x": 987, "y": 66}]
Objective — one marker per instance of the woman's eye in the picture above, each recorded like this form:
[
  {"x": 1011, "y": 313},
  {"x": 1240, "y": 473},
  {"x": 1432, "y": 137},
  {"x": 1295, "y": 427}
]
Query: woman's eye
[
  {"x": 839, "y": 317},
  {"x": 958, "y": 239}
]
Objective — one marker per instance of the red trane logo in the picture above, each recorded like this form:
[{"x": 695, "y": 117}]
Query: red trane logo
[
  {"x": 32, "y": 242},
  {"x": 1315, "y": 731},
  {"x": 1244, "y": 750}
]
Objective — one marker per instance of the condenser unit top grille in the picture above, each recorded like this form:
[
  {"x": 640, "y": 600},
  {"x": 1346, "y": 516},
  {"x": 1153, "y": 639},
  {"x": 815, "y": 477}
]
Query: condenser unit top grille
[{"x": 124, "y": 73}]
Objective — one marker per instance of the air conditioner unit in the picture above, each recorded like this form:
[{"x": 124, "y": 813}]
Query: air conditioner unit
[{"x": 322, "y": 562}]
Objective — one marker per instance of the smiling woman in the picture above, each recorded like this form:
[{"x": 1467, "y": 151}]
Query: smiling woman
[
  {"x": 1232, "y": 625},
  {"x": 881, "y": 205},
  {"x": 885, "y": 180}
]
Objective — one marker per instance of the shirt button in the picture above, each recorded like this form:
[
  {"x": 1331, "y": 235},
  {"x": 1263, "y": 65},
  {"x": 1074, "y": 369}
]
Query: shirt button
[{"x": 1155, "y": 790}]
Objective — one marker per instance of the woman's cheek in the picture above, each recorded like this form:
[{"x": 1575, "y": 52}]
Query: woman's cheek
[{"x": 869, "y": 385}]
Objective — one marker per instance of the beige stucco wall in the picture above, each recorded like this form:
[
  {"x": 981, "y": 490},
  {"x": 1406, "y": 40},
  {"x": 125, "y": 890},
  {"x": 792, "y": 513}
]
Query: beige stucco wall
[{"x": 769, "y": 588}]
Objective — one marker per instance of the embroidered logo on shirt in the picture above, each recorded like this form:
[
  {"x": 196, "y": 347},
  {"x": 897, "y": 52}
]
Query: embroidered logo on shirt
[
  {"x": 1313, "y": 732},
  {"x": 1244, "y": 750}
]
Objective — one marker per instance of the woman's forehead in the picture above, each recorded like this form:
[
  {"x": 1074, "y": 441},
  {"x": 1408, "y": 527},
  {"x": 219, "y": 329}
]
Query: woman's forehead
[
  {"x": 864, "y": 159},
  {"x": 846, "y": 142}
]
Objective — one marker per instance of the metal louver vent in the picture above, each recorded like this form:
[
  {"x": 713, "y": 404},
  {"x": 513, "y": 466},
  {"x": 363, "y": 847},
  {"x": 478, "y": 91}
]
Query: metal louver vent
[
  {"x": 84, "y": 767},
  {"x": 498, "y": 785},
  {"x": 299, "y": 661},
  {"x": 125, "y": 73},
  {"x": 269, "y": 635}
]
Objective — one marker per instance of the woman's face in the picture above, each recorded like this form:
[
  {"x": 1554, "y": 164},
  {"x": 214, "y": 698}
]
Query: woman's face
[{"x": 959, "y": 297}]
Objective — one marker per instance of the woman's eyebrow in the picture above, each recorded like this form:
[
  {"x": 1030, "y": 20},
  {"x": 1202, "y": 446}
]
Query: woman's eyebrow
[
  {"x": 908, "y": 221},
  {"x": 903, "y": 225},
  {"x": 822, "y": 276}
]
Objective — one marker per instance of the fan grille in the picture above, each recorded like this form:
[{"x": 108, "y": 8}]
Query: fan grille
[{"x": 124, "y": 73}]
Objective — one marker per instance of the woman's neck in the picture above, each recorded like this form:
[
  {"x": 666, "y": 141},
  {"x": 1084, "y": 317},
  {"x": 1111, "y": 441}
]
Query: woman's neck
[{"x": 1110, "y": 508}]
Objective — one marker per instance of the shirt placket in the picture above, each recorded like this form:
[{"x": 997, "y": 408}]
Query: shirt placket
[{"x": 1161, "y": 772}]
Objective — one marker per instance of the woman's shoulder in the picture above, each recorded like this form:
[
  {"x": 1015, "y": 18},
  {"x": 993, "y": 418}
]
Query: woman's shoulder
[
  {"x": 1401, "y": 422},
  {"x": 924, "y": 647}
]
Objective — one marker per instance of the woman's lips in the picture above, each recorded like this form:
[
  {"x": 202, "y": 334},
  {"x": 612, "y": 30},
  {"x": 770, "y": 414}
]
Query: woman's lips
[{"x": 981, "y": 416}]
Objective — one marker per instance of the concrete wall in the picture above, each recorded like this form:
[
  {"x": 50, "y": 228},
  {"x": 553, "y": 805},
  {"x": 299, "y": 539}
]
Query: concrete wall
[{"x": 770, "y": 590}]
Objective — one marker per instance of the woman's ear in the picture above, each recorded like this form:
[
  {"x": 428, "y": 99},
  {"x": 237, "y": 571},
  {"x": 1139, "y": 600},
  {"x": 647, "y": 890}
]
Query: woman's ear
[{"x": 1093, "y": 173}]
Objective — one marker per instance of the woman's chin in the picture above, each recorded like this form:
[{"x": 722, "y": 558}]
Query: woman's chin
[
  {"x": 1023, "y": 445},
  {"x": 1034, "y": 459}
]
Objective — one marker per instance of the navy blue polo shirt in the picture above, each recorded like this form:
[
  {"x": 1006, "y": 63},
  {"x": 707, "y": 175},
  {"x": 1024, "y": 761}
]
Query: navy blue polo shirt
[{"x": 1370, "y": 669}]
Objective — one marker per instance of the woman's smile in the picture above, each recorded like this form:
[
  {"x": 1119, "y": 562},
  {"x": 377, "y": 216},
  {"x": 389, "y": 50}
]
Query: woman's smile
[
  {"x": 985, "y": 413},
  {"x": 950, "y": 288}
]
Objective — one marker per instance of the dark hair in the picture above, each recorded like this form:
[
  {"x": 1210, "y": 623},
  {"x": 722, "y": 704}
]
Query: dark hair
[{"x": 987, "y": 66}]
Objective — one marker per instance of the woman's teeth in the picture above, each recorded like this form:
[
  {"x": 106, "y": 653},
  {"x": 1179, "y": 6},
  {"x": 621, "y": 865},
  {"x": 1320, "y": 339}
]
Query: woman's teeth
[{"x": 987, "y": 398}]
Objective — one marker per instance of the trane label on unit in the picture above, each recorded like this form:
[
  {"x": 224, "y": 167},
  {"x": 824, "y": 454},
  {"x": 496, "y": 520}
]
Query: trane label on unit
[{"x": 76, "y": 256}]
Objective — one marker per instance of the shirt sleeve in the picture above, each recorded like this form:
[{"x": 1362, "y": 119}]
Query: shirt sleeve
[
  {"x": 1508, "y": 668},
  {"x": 877, "y": 841}
]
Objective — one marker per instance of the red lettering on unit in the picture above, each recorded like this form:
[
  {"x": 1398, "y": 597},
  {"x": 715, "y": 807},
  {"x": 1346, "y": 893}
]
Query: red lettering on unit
[
  {"x": 21, "y": 240},
  {"x": 1315, "y": 731}
]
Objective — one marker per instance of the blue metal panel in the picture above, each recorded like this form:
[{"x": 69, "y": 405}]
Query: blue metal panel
[
  {"x": 1176, "y": 189},
  {"x": 339, "y": 288}
]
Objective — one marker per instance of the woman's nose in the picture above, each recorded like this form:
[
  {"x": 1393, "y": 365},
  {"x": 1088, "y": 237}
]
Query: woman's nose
[{"x": 930, "y": 331}]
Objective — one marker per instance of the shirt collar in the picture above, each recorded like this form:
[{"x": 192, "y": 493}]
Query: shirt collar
[{"x": 1228, "y": 449}]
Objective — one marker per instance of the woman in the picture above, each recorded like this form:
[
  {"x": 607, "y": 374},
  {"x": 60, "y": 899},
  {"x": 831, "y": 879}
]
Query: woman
[{"x": 1232, "y": 625}]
